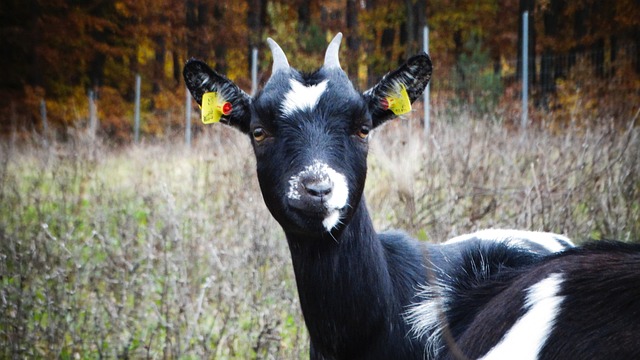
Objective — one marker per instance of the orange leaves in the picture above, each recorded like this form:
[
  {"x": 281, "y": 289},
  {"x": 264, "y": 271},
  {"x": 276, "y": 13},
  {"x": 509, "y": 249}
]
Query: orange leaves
[{"x": 60, "y": 49}]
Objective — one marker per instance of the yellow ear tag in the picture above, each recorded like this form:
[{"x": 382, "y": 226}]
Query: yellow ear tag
[
  {"x": 213, "y": 107},
  {"x": 398, "y": 103}
]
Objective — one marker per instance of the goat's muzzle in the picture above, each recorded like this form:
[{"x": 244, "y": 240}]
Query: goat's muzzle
[{"x": 319, "y": 192}]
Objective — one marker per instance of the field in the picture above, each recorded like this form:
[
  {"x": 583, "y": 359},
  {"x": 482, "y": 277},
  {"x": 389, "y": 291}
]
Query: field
[{"x": 158, "y": 251}]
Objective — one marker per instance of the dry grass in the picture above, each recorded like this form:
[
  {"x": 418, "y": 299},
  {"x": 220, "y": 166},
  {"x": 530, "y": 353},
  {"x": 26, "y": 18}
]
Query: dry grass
[
  {"x": 476, "y": 174},
  {"x": 159, "y": 252}
]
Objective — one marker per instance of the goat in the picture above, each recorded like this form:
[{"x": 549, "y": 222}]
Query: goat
[{"x": 361, "y": 292}]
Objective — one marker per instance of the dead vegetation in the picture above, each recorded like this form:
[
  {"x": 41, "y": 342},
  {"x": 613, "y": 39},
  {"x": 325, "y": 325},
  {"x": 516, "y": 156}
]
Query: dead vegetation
[{"x": 157, "y": 251}]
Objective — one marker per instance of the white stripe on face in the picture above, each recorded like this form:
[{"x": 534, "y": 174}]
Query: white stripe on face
[
  {"x": 529, "y": 334},
  {"x": 301, "y": 97},
  {"x": 338, "y": 198},
  {"x": 340, "y": 191}
]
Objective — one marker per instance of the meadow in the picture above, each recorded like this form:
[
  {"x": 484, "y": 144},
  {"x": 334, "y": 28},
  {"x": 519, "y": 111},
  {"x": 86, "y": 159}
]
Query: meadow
[{"x": 162, "y": 251}]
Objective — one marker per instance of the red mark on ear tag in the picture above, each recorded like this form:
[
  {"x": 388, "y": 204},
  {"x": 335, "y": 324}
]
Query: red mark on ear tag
[
  {"x": 226, "y": 108},
  {"x": 384, "y": 103}
]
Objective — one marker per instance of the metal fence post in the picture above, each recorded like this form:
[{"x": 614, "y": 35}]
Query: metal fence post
[
  {"x": 254, "y": 71},
  {"x": 427, "y": 107},
  {"x": 93, "y": 116},
  {"x": 525, "y": 70},
  {"x": 187, "y": 115},
  {"x": 136, "y": 116}
]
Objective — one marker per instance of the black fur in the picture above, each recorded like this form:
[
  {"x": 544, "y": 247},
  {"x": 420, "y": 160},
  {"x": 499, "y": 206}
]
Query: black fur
[
  {"x": 354, "y": 294},
  {"x": 479, "y": 265},
  {"x": 599, "y": 317}
]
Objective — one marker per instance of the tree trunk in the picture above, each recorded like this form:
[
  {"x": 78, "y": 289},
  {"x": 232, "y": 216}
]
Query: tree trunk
[
  {"x": 410, "y": 28},
  {"x": 304, "y": 17},
  {"x": 637, "y": 51},
  {"x": 353, "y": 40},
  {"x": 421, "y": 16},
  {"x": 370, "y": 48},
  {"x": 177, "y": 68},
  {"x": 158, "y": 66},
  {"x": 192, "y": 26},
  {"x": 220, "y": 47},
  {"x": 548, "y": 66},
  {"x": 597, "y": 58},
  {"x": 96, "y": 70},
  {"x": 255, "y": 23},
  {"x": 203, "y": 14}
]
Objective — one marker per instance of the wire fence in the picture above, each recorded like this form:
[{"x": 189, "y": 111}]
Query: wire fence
[
  {"x": 479, "y": 71},
  {"x": 476, "y": 82}
]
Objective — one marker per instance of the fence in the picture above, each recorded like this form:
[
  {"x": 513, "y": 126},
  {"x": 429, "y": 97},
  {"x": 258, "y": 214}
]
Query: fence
[{"x": 471, "y": 80}]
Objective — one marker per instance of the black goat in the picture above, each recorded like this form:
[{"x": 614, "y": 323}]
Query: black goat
[{"x": 361, "y": 292}]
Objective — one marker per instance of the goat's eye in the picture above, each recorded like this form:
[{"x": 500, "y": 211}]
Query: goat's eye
[
  {"x": 259, "y": 134},
  {"x": 363, "y": 132}
]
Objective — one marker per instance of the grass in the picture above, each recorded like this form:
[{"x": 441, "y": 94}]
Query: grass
[
  {"x": 475, "y": 174},
  {"x": 157, "y": 251}
]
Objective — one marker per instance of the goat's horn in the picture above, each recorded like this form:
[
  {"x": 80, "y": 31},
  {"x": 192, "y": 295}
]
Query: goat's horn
[
  {"x": 331, "y": 59},
  {"x": 280, "y": 61}
]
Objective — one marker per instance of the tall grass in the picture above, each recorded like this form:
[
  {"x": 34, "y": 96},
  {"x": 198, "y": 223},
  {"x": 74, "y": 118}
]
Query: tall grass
[
  {"x": 157, "y": 251},
  {"x": 471, "y": 174},
  {"x": 151, "y": 252}
]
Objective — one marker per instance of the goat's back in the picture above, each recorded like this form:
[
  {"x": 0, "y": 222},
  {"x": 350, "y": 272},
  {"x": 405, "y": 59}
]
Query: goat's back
[{"x": 583, "y": 303}]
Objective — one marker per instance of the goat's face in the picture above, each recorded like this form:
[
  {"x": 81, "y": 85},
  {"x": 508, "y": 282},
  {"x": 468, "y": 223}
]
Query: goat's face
[
  {"x": 310, "y": 134},
  {"x": 310, "y": 139}
]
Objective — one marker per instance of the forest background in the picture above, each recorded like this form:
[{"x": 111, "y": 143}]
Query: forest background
[
  {"x": 585, "y": 54},
  {"x": 157, "y": 250}
]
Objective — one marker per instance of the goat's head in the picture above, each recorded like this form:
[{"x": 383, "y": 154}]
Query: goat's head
[{"x": 310, "y": 133}]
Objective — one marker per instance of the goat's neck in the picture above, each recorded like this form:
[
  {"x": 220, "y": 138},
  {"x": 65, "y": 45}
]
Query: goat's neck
[{"x": 343, "y": 283}]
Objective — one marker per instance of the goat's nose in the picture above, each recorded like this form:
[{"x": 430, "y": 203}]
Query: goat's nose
[{"x": 317, "y": 187}]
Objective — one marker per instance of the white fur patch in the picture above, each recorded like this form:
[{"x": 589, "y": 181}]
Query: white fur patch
[
  {"x": 340, "y": 192},
  {"x": 205, "y": 81},
  {"x": 550, "y": 241},
  {"x": 332, "y": 220},
  {"x": 293, "y": 193},
  {"x": 529, "y": 334},
  {"x": 424, "y": 318},
  {"x": 301, "y": 97},
  {"x": 335, "y": 201}
]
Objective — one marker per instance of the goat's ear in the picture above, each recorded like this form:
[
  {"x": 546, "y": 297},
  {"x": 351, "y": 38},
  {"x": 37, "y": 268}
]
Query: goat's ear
[
  {"x": 201, "y": 79},
  {"x": 388, "y": 98}
]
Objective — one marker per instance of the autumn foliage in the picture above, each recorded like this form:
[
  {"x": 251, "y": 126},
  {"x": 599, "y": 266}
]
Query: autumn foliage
[{"x": 586, "y": 61}]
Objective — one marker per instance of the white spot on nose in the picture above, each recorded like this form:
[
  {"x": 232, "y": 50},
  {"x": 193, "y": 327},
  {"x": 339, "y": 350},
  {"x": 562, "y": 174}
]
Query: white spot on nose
[
  {"x": 301, "y": 97},
  {"x": 335, "y": 201},
  {"x": 293, "y": 193}
]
